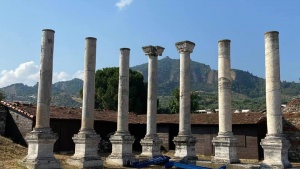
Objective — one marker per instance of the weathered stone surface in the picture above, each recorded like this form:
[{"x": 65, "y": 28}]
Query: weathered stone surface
[
  {"x": 86, "y": 146},
  {"x": 225, "y": 143},
  {"x": 185, "y": 142},
  {"x": 122, "y": 140},
  {"x": 86, "y": 141},
  {"x": 275, "y": 152},
  {"x": 40, "y": 150},
  {"x": 151, "y": 143},
  {"x": 225, "y": 150},
  {"x": 121, "y": 150},
  {"x": 151, "y": 146},
  {"x": 41, "y": 139},
  {"x": 275, "y": 145},
  {"x": 185, "y": 149}
]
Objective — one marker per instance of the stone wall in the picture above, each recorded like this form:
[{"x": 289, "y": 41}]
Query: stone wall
[
  {"x": 3, "y": 114},
  {"x": 291, "y": 128},
  {"x": 163, "y": 134},
  {"x": 17, "y": 126}
]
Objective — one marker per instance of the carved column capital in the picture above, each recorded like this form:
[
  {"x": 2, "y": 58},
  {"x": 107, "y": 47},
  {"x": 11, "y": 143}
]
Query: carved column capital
[
  {"x": 153, "y": 50},
  {"x": 185, "y": 46}
]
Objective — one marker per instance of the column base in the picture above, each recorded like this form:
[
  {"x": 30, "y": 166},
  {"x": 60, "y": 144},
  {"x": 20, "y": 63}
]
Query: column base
[
  {"x": 151, "y": 146},
  {"x": 185, "y": 149},
  {"x": 275, "y": 152},
  {"x": 40, "y": 150},
  {"x": 225, "y": 149},
  {"x": 121, "y": 150},
  {"x": 86, "y": 154}
]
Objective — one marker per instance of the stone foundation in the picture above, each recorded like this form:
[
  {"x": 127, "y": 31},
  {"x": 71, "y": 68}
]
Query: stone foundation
[
  {"x": 151, "y": 146},
  {"x": 40, "y": 150},
  {"x": 185, "y": 149},
  {"x": 225, "y": 150},
  {"x": 121, "y": 150},
  {"x": 86, "y": 155},
  {"x": 275, "y": 152}
]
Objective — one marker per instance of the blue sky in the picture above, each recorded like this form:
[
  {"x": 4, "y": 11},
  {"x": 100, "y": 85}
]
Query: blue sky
[{"x": 136, "y": 23}]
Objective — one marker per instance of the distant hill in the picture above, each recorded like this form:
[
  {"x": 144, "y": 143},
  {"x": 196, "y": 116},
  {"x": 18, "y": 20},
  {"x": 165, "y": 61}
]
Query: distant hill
[
  {"x": 64, "y": 93},
  {"x": 203, "y": 78}
]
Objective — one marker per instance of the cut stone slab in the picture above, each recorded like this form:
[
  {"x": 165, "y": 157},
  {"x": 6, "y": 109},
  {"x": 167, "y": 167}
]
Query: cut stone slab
[
  {"x": 225, "y": 150},
  {"x": 121, "y": 150},
  {"x": 185, "y": 149},
  {"x": 40, "y": 150},
  {"x": 86, "y": 151},
  {"x": 151, "y": 147},
  {"x": 275, "y": 152}
]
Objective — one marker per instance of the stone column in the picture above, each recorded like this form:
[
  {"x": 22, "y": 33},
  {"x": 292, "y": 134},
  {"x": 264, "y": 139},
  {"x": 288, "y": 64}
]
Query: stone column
[
  {"x": 41, "y": 139},
  {"x": 225, "y": 143},
  {"x": 275, "y": 144},
  {"x": 122, "y": 140},
  {"x": 151, "y": 143},
  {"x": 185, "y": 142},
  {"x": 86, "y": 141}
]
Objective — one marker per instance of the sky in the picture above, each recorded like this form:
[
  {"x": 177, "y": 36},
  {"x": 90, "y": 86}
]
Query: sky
[{"x": 136, "y": 23}]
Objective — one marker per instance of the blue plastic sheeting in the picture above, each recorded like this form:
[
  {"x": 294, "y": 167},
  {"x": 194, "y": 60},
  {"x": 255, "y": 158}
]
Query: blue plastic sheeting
[
  {"x": 152, "y": 161},
  {"x": 186, "y": 166}
]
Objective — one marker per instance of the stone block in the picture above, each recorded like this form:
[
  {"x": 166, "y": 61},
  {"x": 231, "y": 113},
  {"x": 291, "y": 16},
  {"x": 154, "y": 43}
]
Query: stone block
[
  {"x": 275, "y": 152},
  {"x": 40, "y": 150},
  {"x": 86, "y": 151},
  {"x": 185, "y": 149},
  {"x": 151, "y": 147},
  {"x": 121, "y": 150},
  {"x": 225, "y": 150}
]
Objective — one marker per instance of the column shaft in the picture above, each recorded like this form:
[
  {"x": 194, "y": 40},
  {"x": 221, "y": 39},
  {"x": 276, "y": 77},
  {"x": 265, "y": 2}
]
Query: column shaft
[
  {"x": 273, "y": 97},
  {"x": 152, "y": 95},
  {"x": 45, "y": 83},
  {"x": 225, "y": 112},
  {"x": 88, "y": 103},
  {"x": 184, "y": 95},
  {"x": 123, "y": 91}
]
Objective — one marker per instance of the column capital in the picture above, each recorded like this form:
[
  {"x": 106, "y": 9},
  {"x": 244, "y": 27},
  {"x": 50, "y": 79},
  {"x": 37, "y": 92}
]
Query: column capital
[
  {"x": 272, "y": 33},
  {"x": 48, "y": 30},
  {"x": 153, "y": 50},
  {"x": 185, "y": 46}
]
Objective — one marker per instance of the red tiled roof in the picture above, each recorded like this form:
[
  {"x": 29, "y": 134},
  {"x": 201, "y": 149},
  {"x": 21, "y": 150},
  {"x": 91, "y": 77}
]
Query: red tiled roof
[{"x": 75, "y": 113}]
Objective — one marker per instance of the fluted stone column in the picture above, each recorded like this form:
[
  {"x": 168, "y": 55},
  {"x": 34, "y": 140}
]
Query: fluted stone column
[
  {"x": 185, "y": 142},
  {"x": 122, "y": 140},
  {"x": 151, "y": 143},
  {"x": 225, "y": 143},
  {"x": 275, "y": 144},
  {"x": 41, "y": 139},
  {"x": 86, "y": 141}
]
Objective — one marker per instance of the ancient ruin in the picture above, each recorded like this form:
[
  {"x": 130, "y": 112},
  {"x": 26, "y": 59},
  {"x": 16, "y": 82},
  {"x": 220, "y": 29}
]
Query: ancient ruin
[
  {"x": 275, "y": 144},
  {"x": 225, "y": 143},
  {"x": 185, "y": 142},
  {"x": 122, "y": 140},
  {"x": 86, "y": 141},
  {"x": 151, "y": 143},
  {"x": 41, "y": 139}
]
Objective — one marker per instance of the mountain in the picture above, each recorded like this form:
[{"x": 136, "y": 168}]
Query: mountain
[
  {"x": 203, "y": 78},
  {"x": 64, "y": 93}
]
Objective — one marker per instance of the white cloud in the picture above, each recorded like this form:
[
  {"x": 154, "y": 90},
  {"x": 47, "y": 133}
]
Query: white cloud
[
  {"x": 28, "y": 73},
  {"x": 122, "y": 3}
]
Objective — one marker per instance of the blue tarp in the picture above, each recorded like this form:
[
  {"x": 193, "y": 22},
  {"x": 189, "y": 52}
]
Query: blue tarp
[{"x": 186, "y": 166}]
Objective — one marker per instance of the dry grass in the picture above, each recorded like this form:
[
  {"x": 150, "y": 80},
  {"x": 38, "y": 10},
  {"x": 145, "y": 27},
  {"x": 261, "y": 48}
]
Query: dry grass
[{"x": 11, "y": 153}]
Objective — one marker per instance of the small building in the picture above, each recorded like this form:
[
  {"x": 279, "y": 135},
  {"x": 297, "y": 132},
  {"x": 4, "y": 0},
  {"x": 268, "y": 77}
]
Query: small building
[{"x": 249, "y": 128}]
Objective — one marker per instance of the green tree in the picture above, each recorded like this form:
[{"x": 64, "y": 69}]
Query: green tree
[
  {"x": 174, "y": 102},
  {"x": 106, "y": 84}
]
